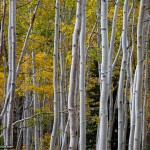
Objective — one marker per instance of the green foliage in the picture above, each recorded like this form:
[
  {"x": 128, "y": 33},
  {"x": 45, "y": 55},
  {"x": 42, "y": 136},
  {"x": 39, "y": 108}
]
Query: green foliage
[{"x": 40, "y": 116}]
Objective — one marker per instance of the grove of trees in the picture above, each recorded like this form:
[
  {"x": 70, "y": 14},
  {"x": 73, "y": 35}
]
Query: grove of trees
[{"x": 75, "y": 74}]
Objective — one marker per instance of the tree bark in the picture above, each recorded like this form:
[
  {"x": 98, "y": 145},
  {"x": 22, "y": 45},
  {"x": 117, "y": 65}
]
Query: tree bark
[
  {"x": 104, "y": 77},
  {"x": 54, "y": 134},
  {"x": 138, "y": 94},
  {"x": 122, "y": 77},
  {"x": 12, "y": 50},
  {"x": 111, "y": 50},
  {"x": 82, "y": 141},
  {"x": 35, "y": 103},
  {"x": 73, "y": 75}
]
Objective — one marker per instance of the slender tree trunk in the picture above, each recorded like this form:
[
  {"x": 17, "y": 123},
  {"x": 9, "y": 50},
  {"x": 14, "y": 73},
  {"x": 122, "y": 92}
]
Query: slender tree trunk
[
  {"x": 27, "y": 114},
  {"x": 125, "y": 114},
  {"x": 98, "y": 13},
  {"x": 35, "y": 104},
  {"x": 122, "y": 77},
  {"x": 2, "y": 28},
  {"x": 104, "y": 76},
  {"x": 76, "y": 104},
  {"x": 27, "y": 111},
  {"x": 132, "y": 90},
  {"x": 144, "y": 105},
  {"x": 54, "y": 134},
  {"x": 138, "y": 94},
  {"x": 62, "y": 96},
  {"x": 111, "y": 50},
  {"x": 65, "y": 136},
  {"x": 73, "y": 75},
  {"x": 146, "y": 33},
  {"x": 12, "y": 34},
  {"x": 82, "y": 79}
]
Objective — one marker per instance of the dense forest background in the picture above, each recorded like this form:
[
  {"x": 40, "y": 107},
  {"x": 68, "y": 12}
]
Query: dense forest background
[{"x": 75, "y": 74}]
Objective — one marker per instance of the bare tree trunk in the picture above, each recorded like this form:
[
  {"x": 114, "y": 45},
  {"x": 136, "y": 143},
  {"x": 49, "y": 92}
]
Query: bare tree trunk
[
  {"x": 146, "y": 33},
  {"x": 35, "y": 104},
  {"x": 98, "y": 13},
  {"x": 111, "y": 50},
  {"x": 73, "y": 75},
  {"x": 62, "y": 96},
  {"x": 65, "y": 136},
  {"x": 104, "y": 77},
  {"x": 132, "y": 90},
  {"x": 12, "y": 33},
  {"x": 54, "y": 134},
  {"x": 138, "y": 94},
  {"x": 122, "y": 77},
  {"x": 27, "y": 111},
  {"x": 125, "y": 107},
  {"x": 2, "y": 28},
  {"x": 82, "y": 141},
  {"x": 76, "y": 104}
]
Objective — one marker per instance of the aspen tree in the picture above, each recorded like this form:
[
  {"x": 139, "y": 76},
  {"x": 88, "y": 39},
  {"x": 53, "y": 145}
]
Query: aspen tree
[
  {"x": 73, "y": 78},
  {"x": 98, "y": 13},
  {"x": 4, "y": 111},
  {"x": 125, "y": 107},
  {"x": 54, "y": 134},
  {"x": 132, "y": 122},
  {"x": 111, "y": 50},
  {"x": 82, "y": 141},
  {"x": 12, "y": 73},
  {"x": 138, "y": 94},
  {"x": 76, "y": 104},
  {"x": 120, "y": 95},
  {"x": 132, "y": 89},
  {"x": 35, "y": 103},
  {"x": 62, "y": 97},
  {"x": 26, "y": 112},
  {"x": 144, "y": 104},
  {"x": 63, "y": 147},
  {"x": 2, "y": 28},
  {"x": 104, "y": 75},
  {"x": 145, "y": 48}
]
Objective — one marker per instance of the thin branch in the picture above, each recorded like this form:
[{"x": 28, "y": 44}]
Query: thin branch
[{"x": 27, "y": 37}]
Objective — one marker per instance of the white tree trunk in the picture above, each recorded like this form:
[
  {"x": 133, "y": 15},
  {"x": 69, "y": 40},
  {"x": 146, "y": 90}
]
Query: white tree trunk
[
  {"x": 35, "y": 104},
  {"x": 27, "y": 110},
  {"x": 2, "y": 28},
  {"x": 65, "y": 136},
  {"x": 125, "y": 108},
  {"x": 12, "y": 50},
  {"x": 111, "y": 50},
  {"x": 54, "y": 134},
  {"x": 146, "y": 33},
  {"x": 122, "y": 77},
  {"x": 132, "y": 90},
  {"x": 62, "y": 96},
  {"x": 73, "y": 78},
  {"x": 132, "y": 123},
  {"x": 138, "y": 94},
  {"x": 104, "y": 76},
  {"x": 82, "y": 141}
]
